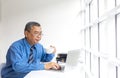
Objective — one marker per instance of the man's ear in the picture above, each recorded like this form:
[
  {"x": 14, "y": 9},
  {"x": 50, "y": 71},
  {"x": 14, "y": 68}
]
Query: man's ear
[{"x": 25, "y": 33}]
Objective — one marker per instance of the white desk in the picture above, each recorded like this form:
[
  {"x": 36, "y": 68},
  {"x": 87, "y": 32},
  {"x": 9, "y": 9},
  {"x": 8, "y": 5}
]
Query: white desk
[
  {"x": 53, "y": 74},
  {"x": 43, "y": 74}
]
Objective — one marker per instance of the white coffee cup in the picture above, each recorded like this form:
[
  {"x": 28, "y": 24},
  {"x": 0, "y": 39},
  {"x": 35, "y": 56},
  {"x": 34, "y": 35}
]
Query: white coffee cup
[{"x": 49, "y": 50}]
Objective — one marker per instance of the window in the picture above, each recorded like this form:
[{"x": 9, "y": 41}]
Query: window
[{"x": 101, "y": 38}]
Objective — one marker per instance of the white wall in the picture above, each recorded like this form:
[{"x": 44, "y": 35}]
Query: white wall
[
  {"x": 1, "y": 37},
  {"x": 59, "y": 20}
]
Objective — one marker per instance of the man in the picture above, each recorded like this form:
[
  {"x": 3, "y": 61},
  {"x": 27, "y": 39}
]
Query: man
[{"x": 27, "y": 54}]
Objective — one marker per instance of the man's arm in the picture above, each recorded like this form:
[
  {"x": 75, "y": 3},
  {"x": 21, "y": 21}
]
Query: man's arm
[{"x": 20, "y": 64}]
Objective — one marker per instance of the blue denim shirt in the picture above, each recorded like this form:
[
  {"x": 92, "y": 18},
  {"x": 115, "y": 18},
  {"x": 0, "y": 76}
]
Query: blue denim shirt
[{"x": 17, "y": 65}]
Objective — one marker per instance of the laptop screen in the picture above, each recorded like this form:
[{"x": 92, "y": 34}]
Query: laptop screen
[{"x": 72, "y": 59}]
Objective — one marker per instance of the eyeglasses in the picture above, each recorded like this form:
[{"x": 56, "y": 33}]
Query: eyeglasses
[{"x": 36, "y": 34}]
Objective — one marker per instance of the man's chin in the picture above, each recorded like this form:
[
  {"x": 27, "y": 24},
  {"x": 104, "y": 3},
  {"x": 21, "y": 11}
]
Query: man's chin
[{"x": 36, "y": 42}]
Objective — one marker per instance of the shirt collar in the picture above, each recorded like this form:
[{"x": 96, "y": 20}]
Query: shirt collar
[{"x": 27, "y": 43}]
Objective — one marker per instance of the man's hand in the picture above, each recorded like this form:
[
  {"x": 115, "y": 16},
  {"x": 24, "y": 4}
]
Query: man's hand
[{"x": 52, "y": 65}]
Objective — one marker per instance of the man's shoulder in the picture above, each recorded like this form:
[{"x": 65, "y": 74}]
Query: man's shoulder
[{"x": 18, "y": 42}]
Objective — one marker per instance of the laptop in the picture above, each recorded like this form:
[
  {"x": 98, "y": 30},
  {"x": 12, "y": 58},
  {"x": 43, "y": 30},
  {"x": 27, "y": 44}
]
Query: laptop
[{"x": 71, "y": 61}]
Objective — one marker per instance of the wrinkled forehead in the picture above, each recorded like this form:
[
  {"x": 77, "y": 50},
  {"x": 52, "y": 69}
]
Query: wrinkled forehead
[{"x": 36, "y": 28}]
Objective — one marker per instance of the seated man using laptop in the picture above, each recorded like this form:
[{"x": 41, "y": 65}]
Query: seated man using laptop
[{"x": 27, "y": 54}]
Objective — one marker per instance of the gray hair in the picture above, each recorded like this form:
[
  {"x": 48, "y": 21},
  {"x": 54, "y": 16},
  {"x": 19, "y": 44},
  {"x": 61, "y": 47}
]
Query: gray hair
[{"x": 30, "y": 24}]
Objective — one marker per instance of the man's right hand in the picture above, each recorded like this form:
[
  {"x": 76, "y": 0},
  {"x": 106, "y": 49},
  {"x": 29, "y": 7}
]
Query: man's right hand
[{"x": 53, "y": 65}]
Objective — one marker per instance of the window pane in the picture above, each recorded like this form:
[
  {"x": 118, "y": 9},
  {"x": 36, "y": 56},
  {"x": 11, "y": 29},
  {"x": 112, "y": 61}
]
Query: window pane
[
  {"x": 94, "y": 38},
  {"x": 93, "y": 11},
  {"x": 110, "y": 4},
  {"x": 94, "y": 47},
  {"x": 107, "y": 37},
  {"x": 103, "y": 68},
  {"x": 94, "y": 66},
  {"x": 107, "y": 46},
  {"x": 102, "y": 7},
  {"x": 87, "y": 43},
  {"x": 118, "y": 2},
  {"x": 87, "y": 16},
  {"x": 105, "y": 6}
]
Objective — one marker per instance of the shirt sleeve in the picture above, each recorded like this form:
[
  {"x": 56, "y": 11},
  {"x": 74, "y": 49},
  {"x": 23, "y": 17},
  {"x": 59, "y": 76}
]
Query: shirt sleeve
[
  {"x": 47, "y": 57},
  {"x": 19, "y": 64}
]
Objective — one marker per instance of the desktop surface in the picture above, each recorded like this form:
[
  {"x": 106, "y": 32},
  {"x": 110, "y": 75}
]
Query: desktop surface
[
  {"x": 52, "y": 74},
  {"x": 44, "y": 74}
]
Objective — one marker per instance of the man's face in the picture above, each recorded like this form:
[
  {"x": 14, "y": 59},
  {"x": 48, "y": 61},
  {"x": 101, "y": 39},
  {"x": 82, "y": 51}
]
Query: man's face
[{"x": 34, "y": 35}]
